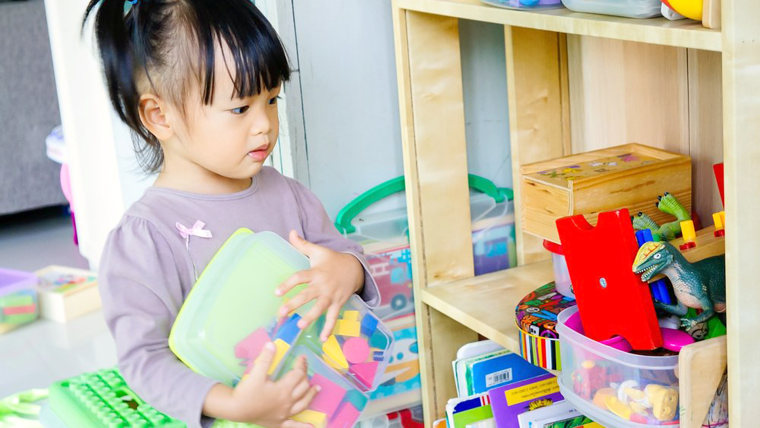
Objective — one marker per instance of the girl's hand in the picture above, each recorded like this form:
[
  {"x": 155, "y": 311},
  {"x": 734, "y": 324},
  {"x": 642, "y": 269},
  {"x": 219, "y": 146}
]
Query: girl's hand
[
  {"x": 259, "y": 400},
  {"x": 332, "y": 279}
]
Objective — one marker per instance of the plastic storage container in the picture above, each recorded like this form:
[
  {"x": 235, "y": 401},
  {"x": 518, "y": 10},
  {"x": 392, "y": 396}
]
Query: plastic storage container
[
  {"x": 525, "y": 4},
  {"x": 561, "y": 274},
  {"x": 626, "y": 8},
  {"x": 612, "y": 387},
  {"x": 18, "y": 299},
  {"x": 338, "y": 404},
  {"x": 231, "y": 313}
]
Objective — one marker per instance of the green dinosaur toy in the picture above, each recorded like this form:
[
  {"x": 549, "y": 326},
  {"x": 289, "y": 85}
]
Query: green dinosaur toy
[
  {"x": 668, "y": 204},
  {"x": 700, "y": 285}
]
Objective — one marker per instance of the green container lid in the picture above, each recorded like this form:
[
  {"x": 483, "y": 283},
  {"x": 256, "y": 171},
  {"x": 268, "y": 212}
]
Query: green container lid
[{"x": 233, "y": 297}]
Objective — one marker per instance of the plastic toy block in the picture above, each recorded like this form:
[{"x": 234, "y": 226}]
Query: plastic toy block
[
  {"x": 250, "y": 347},
  {"x": 348, "y": 328},
  {"x": 15, "y": 310},
  {"x": 369, "y": 325},
  {"x": 19, "y": 318},
  {"x": 357, "y": 399},
  {"x": 378, "y": 340},
  {"x": 346, "y": 417},
  {"x": 329, "y": 397},
  {"x": 289, "y": 330},
  {"x": 364, "y": 372},
  {"x": 689, "y": 235},
  {"x": 719, "y": 219},
  {"x": 351, "y": 315},
  {"x": 17, "y": 299},
  {"x": 102, "y": 399},
  {"x": 612, "y": 300},
  {"x": 281, "y": 349},
  {"x": 356, "y": 350},
  {"x": 659, "y": 288},
  {"x": 334, "y": 355},
  {"x": 316, "y": 419}
]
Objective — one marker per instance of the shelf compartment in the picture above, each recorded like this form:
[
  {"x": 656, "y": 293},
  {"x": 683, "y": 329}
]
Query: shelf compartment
[
  {"x": 660, "y": 31},
  {"x": 486, "y": 304}
]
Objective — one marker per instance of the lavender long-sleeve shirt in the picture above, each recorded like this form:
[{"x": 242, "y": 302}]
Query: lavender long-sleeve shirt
[{"x": 147, "y": 272}]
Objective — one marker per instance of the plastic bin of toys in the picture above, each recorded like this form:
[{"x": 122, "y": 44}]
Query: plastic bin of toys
[
  {"x": 18, "y": 299},
  {"x": 625, "y": 8},
  {"x": 232, "y": 313},
  {"x": 615, "y": 388}
]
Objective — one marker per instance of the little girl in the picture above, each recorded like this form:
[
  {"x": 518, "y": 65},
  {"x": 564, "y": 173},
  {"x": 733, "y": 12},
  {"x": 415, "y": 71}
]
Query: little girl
[{"x": 197, "y": 81}]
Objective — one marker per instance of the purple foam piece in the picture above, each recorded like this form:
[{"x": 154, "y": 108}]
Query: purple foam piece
[{"x": 346, "y": 417}]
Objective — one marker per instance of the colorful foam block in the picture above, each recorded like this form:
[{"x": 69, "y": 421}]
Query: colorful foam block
[
  {"x": 346, "y": 417},
  {"x": 347, "y": 328},
  {"x": 369, "y": 325},
  {"x": 357, "y": 399},
  {"x": 251, "y": 346},
  {"x": 356, "y": 350},
  {"x": 316, "y": 419},
  {"x": 351, "y": 315},
  {"x": 15, "y": 310},
  {"x": 334, "y": 355},
  {"x": 289, "y": 330},
  {"x": 378, "y": 340},
  {"x": 19, "y": 318},
  {"x": 329, "y": 397},
  {"x": 281, "y": 348},
  {"x": 378, "y": 355},
  {"x": 17, "y": 299},
  {"x": 364, "y": 372}
]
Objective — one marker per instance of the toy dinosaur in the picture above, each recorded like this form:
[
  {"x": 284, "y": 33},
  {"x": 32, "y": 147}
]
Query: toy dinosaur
[
  {"x": 668, "y": 204},
  {"x": 700, "y": 285}
]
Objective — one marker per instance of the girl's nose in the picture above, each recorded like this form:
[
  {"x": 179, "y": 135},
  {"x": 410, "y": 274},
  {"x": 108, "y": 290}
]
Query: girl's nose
[{"x": 261, "y": 123}]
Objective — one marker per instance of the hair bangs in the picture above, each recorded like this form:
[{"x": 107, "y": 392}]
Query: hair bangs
[{"x": 259, "y": 58}]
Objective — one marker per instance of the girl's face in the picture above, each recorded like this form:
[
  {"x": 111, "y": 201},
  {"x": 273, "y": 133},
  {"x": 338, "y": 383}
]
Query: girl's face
[{"x": 219, "y": 147}]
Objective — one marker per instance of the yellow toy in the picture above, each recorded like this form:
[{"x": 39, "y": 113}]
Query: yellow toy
[
  {"x": 691, "y": 9},
  {"x": 664, "y": 401}
]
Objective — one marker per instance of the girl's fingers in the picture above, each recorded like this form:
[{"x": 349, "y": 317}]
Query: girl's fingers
[
  {"x": 298, "y": 278},
  {"x": 303, "y": 404},
  {"x": 262, "y": 363},
  {"x": 300, "y": 389},
  {"x": 300, "y": 299},
  {"x": 332, "y": 316},
  {"x": 314, "y": 313}
]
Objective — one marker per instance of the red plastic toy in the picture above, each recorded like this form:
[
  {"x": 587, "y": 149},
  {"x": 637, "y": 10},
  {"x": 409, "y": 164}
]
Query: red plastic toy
[
  {"x": 612, "y": 300},
  {"x": 718, "y": 170}
]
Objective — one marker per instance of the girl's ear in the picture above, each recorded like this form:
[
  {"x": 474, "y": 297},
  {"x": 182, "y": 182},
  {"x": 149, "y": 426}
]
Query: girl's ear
[{"x": 153, "y": 115}]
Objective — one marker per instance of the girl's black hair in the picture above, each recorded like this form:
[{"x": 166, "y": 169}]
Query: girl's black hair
[{"x": 169, "y": 45}]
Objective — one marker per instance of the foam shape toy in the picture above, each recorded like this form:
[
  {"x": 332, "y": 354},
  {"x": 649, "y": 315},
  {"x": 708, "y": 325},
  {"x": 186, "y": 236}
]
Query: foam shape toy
[
  {"x": 611, "y": 299},
  {"x": 346, "y": 327},
  {"x": 364, "y": 372},
  {"x": 357, "y": 400},
  {"x": 328, "y": 398},
  {"x": 346, "y": 417},
  {"x": 15, "y": 310},
  {"x": 351, "y": 315},
  {"x": 281, "y": 348},
  {"x": 308, "y": 416},
  {"x": 250, "y": 347},
  {"x": 378, "y": 340},
  {"x": 333, "y": 353},
  {"x": 601, "y": 396},
  {"x": 289, "y": 330},
  {"x": 691, "y": 9},
  {"x": 356, "y": 350},
  {"x": 369, "y": 325}
]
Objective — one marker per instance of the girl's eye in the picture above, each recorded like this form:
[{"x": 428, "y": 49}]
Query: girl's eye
[
  {"x": 239, "y": 110},
  {"x": 273, "y": 101}
]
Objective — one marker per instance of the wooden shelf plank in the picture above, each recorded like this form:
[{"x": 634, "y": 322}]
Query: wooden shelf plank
[
  {"x": 486, "y": 304},
  {"x": 660, "y": 31}
]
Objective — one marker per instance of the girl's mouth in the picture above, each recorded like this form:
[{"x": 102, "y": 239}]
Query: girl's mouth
[{"x": 260, "y": 153}]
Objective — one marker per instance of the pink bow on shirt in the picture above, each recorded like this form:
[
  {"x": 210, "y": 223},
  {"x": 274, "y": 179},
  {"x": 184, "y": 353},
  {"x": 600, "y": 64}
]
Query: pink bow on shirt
[{"x": 196, "y": 230}]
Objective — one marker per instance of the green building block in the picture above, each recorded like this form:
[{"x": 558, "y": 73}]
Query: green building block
[{"x": 103, "y": 400}]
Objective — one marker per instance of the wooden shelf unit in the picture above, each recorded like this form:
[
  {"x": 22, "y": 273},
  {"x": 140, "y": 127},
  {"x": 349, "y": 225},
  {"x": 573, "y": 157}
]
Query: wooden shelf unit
[{"x": 575, "y": 82}]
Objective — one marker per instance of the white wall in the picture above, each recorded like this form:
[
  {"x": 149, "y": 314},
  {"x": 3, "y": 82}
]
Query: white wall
[
  {"x": 104, "y": 176},
  {"x": 350, "y": 101}
]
